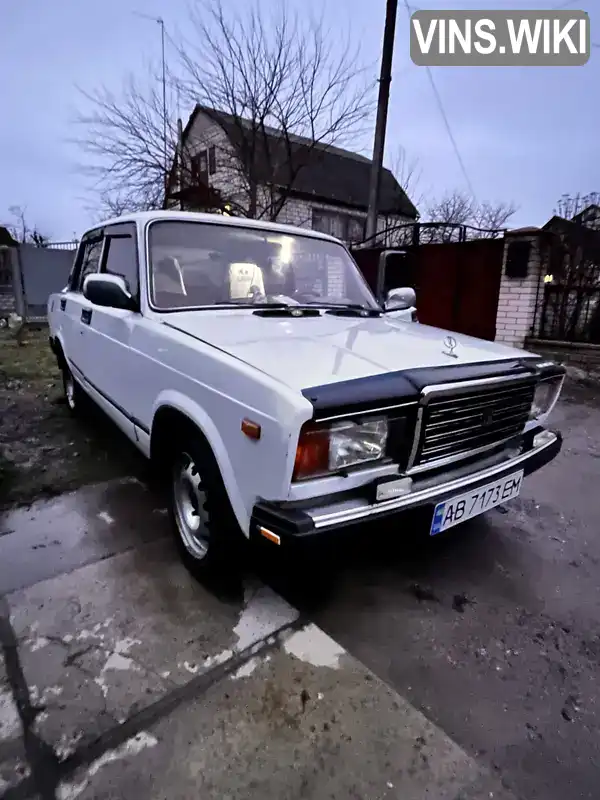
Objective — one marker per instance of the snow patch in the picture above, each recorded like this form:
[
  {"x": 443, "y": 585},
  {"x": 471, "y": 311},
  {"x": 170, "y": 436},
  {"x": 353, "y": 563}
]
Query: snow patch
[
  {"x": 220, "y": 658},
  {"x": 10, "y": 724},
  {"x": 42, "y": 697},
  {"x": 67, "y": 745},
  {"x": 40, "y": 642},
  {"x": 246, "y": 669},
  {"x": 314, "y": 646},
  {"x": 102, "y": 684},
  {"x": 117, "y": 660},
  {"x": 265, "y": 613},
  {"x": 132, "y": 747}
]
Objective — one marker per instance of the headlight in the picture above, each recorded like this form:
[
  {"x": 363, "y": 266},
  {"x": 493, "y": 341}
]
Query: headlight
[
  {"x": 545, "y": 397},
  {"x": 327, "y": 448}
]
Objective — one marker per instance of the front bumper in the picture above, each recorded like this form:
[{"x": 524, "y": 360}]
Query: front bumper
[{"x": 287, "y": 521}]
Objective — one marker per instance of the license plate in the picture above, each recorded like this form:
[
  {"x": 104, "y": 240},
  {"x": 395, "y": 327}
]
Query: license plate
[{"x": 469, "y": 505}]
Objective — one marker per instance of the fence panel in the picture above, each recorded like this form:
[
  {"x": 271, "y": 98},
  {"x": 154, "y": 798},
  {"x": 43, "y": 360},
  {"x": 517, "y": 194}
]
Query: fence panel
[
  {"x": 571, "y": 314},
  {"x": 44, "y": 270}
]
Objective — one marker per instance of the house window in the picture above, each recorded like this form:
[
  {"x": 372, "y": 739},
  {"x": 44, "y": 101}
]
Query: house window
[
  {"x": 212, "y": 160},
  {"x": 204, "y": 163},
  {"x": 343, "y": 226}
]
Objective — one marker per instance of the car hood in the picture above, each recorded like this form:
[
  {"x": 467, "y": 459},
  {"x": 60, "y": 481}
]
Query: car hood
[{"x": 314, "y": 351}]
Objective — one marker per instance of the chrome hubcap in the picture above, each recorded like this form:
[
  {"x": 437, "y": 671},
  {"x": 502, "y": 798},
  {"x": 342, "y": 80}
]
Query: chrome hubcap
[
  {"x": 189, "y": 499},
  {"x": 70, "y": 391}
]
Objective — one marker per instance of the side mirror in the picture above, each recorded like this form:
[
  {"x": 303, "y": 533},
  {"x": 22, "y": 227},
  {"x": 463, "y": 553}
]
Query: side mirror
[
  {"x": 400, "y": 299},
  {"x": 388, "y": 259},
  {"x": 108, "y": 290}
]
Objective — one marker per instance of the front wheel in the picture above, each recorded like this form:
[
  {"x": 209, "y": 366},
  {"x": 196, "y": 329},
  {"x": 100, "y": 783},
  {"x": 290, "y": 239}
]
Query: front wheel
[{"x": 205, "y": 527}]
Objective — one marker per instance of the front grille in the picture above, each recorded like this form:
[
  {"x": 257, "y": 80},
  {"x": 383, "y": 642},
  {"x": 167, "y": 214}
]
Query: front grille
[{"x": 455, "y": 425}]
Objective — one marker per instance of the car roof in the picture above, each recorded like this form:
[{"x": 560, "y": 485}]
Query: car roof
[{"x": 144, "y": 217}]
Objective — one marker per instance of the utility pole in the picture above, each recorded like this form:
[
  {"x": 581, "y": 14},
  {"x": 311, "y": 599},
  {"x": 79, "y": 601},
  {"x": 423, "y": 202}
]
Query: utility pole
[
  {"x": 385, "y": 78},
  {"x": 164, "y": 91},
  {"x": 164, "y": 99}
]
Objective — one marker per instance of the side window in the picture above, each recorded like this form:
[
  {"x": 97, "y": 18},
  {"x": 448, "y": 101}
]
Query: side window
[
  {"x": 121, "y": 256},
  {"x": 89, "y": 263}
]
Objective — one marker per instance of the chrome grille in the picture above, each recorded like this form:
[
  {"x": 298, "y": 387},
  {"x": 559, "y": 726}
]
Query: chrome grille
[{"x": 455, "y": 425}]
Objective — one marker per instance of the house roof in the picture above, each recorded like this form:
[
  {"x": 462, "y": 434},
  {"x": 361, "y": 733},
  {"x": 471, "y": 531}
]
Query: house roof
[
  {"x": 6, "y": 239},
  {"x": 578, "y": 233},
  {"x": 328, "y": 173},
  {"x": 586, "y": 212}
]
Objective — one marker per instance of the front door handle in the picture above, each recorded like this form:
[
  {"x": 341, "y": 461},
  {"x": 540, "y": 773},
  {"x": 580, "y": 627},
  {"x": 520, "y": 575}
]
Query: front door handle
[{"x": 86, "y": 315}]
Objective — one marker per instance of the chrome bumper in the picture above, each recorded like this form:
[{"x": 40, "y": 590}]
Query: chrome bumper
[{"x": 325, "y": 514}]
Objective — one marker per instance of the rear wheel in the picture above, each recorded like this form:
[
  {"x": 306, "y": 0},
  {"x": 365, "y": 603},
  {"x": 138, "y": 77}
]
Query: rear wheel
[{"x": 205, "y": 527}]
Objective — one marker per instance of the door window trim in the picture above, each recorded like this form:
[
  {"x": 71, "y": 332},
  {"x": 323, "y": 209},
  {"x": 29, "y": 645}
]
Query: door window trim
[
  {"x": 89, "y": 238},
  {"x": 110, "y": 233}
]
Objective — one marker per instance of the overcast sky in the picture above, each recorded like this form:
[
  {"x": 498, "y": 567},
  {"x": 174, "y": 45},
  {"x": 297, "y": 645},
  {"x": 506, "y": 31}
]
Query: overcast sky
[{"x": 526, "y": 135}]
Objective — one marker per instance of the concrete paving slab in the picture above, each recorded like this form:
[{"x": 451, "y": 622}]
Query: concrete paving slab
[
  {"x": 303, "y": 721},
  {"x": 13, "y": 765},
  {"x": 58, "y": 535},
  {"x": 106, "y": 640},
  {"x": 10, "y": 724}
]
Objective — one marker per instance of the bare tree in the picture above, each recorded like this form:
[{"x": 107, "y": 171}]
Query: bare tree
[
  {"x": 274, "y": 75},
  {"x": 568, "y": 206},
  {"x": 123, "y": 142},
  {"x": 409, "y": 175},
  {"x": 455, "y": 208},
  {"x": 277, "y": 76},
  {"x": 458, "y": 208},
  {"x": 491, "y": 218},
  {"x": 21, "y": 230}
]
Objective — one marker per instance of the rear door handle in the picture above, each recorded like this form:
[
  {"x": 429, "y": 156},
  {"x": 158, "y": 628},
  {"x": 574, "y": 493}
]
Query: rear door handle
[
  {"x": 86, "y": 315},
  {"x": 63, "y": 304}
]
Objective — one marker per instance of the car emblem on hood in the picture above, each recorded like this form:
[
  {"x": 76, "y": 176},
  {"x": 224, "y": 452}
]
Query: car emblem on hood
[{"x": 450, "y": 345}]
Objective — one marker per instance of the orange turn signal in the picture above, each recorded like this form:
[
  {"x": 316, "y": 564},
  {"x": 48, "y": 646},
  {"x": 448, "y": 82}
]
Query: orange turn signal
[
  {"x": 251, "y": 429},
  {"x": 312, "y": 453},
  {"x": 272, "y": 537}
]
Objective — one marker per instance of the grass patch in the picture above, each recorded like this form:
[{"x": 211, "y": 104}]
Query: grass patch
[
  {"x": 33, "y": 361},
  {"x": 44, "y": 450}
]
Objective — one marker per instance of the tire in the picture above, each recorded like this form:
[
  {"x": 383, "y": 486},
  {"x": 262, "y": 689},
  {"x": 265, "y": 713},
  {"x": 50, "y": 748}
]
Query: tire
[
  {"x": 74, "y": 394},
  {"x": 206, "y": 530}
]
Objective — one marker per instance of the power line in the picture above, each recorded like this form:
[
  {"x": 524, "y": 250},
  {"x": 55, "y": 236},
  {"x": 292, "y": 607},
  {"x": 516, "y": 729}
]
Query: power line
[
  {"x": 449, "y": 131},
  {"x": 446, "y": 120}
]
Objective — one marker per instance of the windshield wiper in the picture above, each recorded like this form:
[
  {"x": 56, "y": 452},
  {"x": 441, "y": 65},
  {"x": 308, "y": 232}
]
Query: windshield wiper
[
  {"x": 249, "y": 304},
  {"x": 351, "y": 310},
  {"x": 283, "y": 310}
]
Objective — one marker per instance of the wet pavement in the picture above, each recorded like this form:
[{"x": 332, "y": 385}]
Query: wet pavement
[
  {"x": 122, "y": 677},
  {"x": 381, "y": 665},
  {"x": 493, "y": 631}
]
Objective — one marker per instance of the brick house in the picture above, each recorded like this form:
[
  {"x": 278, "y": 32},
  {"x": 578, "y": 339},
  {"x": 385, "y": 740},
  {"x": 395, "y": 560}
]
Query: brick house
[
  {"x": 589, "y": 217},
  {"x": 294, "y": 180},
  {"x": 7, "y": 296}
]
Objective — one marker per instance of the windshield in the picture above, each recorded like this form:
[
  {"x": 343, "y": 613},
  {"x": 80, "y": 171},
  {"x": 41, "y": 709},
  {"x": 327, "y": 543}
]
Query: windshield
[{"x": 202, "y": 264}]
